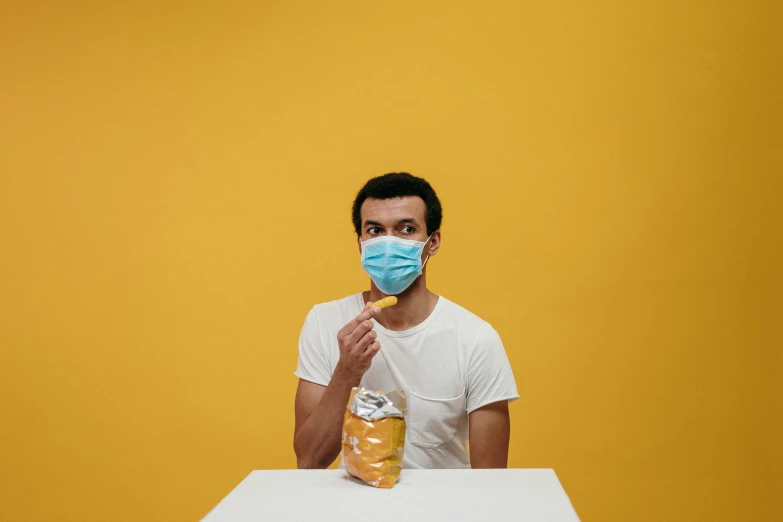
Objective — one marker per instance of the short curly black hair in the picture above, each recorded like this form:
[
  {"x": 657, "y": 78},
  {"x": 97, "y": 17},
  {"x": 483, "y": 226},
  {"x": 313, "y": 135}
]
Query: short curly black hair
[{"x": 397, "y": 185}]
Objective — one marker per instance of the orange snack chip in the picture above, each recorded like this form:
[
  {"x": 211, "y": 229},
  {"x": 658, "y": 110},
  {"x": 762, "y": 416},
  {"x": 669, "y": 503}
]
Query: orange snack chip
[
  {"x": 374, "y": 436},
  {"x": 386, "y": 301}
]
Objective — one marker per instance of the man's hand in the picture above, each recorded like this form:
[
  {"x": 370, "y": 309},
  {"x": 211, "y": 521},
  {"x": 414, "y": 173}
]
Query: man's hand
[
  {"x": 358, "y": 345},
  {"x": 319, "y": 410}
]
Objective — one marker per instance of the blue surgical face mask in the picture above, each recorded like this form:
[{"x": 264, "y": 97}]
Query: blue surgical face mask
[{"x": 393, "y": 263}]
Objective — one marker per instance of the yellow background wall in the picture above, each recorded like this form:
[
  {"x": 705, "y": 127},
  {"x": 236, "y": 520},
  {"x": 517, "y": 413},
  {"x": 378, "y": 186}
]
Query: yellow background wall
[{"x": 175, "y": 188}]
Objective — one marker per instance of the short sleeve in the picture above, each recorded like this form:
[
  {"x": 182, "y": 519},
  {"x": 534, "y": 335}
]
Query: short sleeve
[
  {"x": 312, "y": 364},
  {"x": 490, "y": 378}
]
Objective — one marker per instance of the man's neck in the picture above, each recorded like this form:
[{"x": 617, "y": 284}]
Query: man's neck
[{"x": 413, "y": 306}]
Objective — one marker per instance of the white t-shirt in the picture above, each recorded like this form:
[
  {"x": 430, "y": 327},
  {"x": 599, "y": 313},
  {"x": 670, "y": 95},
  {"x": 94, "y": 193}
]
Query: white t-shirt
[{"x": 448, "y": 366}]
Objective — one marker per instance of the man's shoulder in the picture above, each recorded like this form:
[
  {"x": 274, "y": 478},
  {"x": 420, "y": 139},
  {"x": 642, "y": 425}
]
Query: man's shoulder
[
  {"x": 338, "y": 311},
  {"x": 348, "y": 302},
  {"x": 463, "y": 318}
]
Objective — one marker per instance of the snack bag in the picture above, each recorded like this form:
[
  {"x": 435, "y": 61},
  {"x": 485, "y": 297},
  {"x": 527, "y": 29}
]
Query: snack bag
[{"x": 374, "y": 436}]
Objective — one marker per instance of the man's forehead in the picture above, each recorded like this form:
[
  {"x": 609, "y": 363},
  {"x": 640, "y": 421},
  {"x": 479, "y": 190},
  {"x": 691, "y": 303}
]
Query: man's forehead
[{"x": 393, "y": 208}]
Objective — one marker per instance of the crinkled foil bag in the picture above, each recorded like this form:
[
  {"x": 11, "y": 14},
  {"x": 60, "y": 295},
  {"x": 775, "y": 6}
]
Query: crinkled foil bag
[{"x": 374, "y": 436}]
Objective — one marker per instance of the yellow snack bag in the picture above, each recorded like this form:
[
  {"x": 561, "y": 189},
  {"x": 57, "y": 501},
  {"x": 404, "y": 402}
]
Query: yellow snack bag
[{"x": 374, "y": 436}]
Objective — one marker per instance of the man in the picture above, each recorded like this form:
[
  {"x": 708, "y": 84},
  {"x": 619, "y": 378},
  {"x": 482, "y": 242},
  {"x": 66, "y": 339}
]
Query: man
[{"x": 451, "y": 364}]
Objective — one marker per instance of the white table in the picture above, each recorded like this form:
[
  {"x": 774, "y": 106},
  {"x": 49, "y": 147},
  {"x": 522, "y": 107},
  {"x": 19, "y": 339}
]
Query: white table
[{"x": 495, "y": 495}]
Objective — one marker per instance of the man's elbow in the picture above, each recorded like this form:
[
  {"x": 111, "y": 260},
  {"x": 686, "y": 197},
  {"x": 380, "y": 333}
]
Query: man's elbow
[
  {"x": 305, "y": 459},
  {"x": 498, "y": 462},
  {"x": 307, "y": 462},
  {"x": 302, "y": 463}
]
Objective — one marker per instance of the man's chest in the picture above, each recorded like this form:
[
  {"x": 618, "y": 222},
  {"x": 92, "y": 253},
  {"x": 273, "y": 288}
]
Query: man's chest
[
  {"x": 431, "y": 373},
  {"x": 430, "y": 370}
]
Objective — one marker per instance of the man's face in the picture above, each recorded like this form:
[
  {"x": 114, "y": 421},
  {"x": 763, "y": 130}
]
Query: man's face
[{"x": 401, "y": 217}]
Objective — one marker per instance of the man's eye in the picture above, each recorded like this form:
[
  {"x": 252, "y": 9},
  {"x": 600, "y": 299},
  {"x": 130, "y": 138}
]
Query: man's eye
[
  {"x": 407, "y": 229},
  {"x": 374, "y": 230}
]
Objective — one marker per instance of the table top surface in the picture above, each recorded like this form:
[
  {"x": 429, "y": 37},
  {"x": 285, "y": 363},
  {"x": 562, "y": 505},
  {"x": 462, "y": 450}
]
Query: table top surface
[{"x": 421, "y": 494}]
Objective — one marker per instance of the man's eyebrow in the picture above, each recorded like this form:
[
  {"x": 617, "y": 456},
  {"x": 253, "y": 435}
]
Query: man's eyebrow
[{"x": 402, "y": 221}]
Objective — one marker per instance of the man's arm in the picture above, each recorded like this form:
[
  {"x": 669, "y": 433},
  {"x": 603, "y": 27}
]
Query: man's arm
[
  {"x": 319, "y": 409},
  {"x": 490, "y": 430},
  {"x": 319, "y": 421}
]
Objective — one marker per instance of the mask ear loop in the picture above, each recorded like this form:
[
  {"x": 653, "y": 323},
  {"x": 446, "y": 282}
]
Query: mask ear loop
[{"x": 428, "y": 256}]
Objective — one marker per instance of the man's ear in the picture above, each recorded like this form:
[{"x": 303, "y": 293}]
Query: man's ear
[
  {"x": 359, "y": 243},
  {"x": 434, "y": 244}
]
